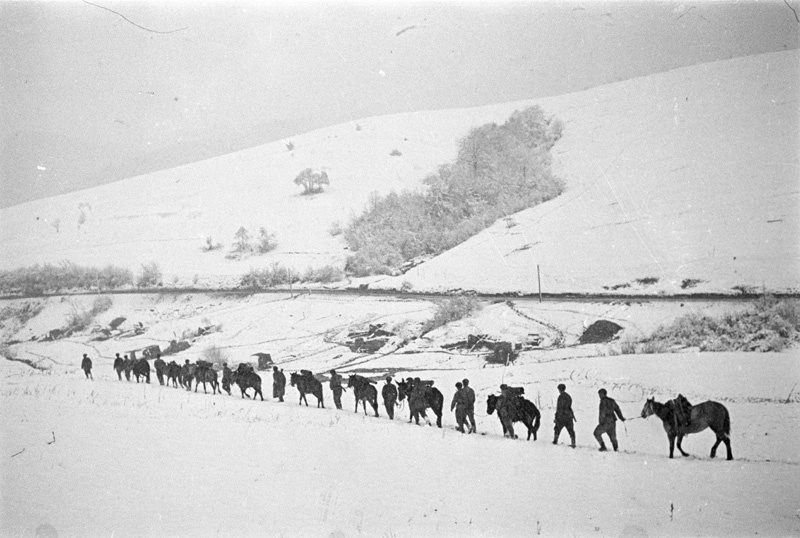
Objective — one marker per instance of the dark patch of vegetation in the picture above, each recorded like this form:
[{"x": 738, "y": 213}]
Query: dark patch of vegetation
[
  {"x": 269, "y": 277},
  {"x": 311, "y": 181},
  {"x": 79, "y": 319},
  {"x": 647, "y": 281},
  {"x": 21, "y": 312},
  {"x": 150, "y": 276},
  {"x": 451, "y": 310},
  {"x": 690, "y": 283},
  {"x": 617, "y": 286},
  {"x": 768, "y": 325},
  {"x": 48, "y": 278},
  {"x": 324, "y": 274},
  {"x": 395, "y": 153},
  {"x": 500, "y": 170}
]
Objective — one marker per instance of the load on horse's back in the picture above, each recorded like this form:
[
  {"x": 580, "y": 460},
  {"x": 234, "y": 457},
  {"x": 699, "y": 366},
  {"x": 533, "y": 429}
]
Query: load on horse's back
[
  {"x": 204, "y": 373},
  {"x": 421, "y": 395},
  {"x": 511, "y": 407},
  {"x": 708, "y": 414},
  {"x": 364, "y": 391},
  {"x": 306, "y": 383}
]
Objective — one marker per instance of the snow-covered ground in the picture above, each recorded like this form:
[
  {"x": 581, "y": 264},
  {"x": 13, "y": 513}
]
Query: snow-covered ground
[{"x": 104, "y": 457}]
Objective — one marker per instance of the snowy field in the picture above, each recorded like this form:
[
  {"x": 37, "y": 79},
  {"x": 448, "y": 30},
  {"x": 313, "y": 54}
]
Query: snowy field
[{"x": 111, "y": 458}]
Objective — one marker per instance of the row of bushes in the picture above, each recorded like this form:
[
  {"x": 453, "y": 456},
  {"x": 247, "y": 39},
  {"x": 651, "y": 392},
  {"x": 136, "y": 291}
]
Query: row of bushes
[
  {"x": 38, "y": 279},
  {"x": 280, "y": 275},
  {"x": 499, "y": 170},
  {"x": 767, "y": 325}
]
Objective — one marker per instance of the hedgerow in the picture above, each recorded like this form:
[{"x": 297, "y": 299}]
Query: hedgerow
[
  {"x": 767, "y": 325},
  {"x": 500, "y": 170},
  {"x": 39, "y": 279}
]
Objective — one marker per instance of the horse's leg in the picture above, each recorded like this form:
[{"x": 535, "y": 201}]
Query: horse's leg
[
  {"x": 727, "y": 441},
  {"x": 680, "y": 439},
  {"x": 714, "y": 448},
  {"x": 375, "y": 406},
  {"x": 671, "y": 438}
]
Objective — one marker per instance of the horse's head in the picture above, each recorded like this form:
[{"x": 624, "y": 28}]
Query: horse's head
[
  {"x": 402, "y": 390},
  {"x": 491, "y": 404},
  {"x": 293, "y": 378},
  {"x": 351, "y": 382},
  {"x": 649, "y": 408}
]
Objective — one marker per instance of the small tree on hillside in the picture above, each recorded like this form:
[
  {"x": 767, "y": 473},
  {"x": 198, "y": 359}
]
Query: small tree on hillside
[
  {"x": 311, "y": 181},
  {"x": 266, "y": 241},
  {"x": 242, "y": 243}
]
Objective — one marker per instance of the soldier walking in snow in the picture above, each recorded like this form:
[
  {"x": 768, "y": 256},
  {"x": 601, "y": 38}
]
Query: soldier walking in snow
[
  {"x": 119, "y": 365},
  {"x": 86, "y": 365},
  {"x": 336, "y": 386},
  {"x": 389, "y": 393},
  {"x": 609, "y": 411},
  {"x": 564, "y": 415},
  {"x": 159, "y": 365},
  {"x": 460, "y": 406},
  {"x": 469, "y": 399},
  {"x": 227, "y": 378},
  {"x": 278, "y": 383}
]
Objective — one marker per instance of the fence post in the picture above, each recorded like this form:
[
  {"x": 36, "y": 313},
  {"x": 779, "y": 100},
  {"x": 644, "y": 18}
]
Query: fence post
[{"x": 539, "y": 279}]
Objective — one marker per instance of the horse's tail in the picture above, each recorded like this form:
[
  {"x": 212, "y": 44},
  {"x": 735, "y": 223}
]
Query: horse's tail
[
  {"x": 726, "y": 422},
  {"x": 537, "y": 418}
]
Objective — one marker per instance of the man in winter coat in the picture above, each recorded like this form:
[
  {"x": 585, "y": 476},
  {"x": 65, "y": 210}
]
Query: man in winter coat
[
  {"x": 609, "y": 411},
  {"x": 227, "y": 378},
  {"x": 389, "y": 393},
  {"x": 460, "y": 406},
  {"x": 160, "y": 365},
  {"x": 119, "y": 366},
  {"x": 86, "y": 365},
  {"x": 469, "y": 398},
  {"x": 564, "y": 415},
  {"x": 336, "y": 387},
  {"x": 278, "y": 383}
]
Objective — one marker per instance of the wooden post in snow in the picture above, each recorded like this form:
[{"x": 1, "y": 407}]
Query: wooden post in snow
[{"x": 539, "y": 279}]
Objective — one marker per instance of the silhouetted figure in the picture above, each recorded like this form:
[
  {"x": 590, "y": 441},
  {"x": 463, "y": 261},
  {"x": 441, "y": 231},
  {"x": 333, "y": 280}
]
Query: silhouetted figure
[
  {"x": 609, "y": 411},
  {"x": 460, "y": 406},
  {"x": 469, "y": 398},
  {"x": 86, "y": 366},
  {"x": 389, "y": 393},
  {"x": 336, "y": 387},
  {"x": 278, "y": 383},
  {"x": 564, "y": 415}
]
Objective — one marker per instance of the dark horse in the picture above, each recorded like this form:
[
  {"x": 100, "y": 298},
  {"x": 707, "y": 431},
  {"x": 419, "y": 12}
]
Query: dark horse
[
  {"x": 432, "y": 398},
  {"x": 307, "y": 384},
  {"x": 247, "y": 379},
  {"x": 365, "y": 392},
  {"x": 206, "y": 374},
  {"x": 142, "y": 369},
  {"x": 173, "y": 372},
  {"x": 705, "y": 415},
  {"x": 508, "y": 415}
]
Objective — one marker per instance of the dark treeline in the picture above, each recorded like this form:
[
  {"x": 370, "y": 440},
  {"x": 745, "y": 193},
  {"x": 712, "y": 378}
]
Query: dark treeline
[
  {"x": 39, "y": 279},
  {"x": 500, "y": 170}
]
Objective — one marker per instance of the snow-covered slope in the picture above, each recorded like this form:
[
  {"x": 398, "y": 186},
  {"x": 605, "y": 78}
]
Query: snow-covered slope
[
  {"x": 108, "y": 457},
  {"x": 688, "y": 174}
]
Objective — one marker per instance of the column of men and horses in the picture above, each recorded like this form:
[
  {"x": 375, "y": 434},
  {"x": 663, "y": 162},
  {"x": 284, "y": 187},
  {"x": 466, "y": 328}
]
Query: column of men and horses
[{"x": 678, "y": 416}]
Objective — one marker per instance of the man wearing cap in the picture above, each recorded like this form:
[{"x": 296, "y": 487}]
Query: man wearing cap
[
  {"x": 460, "y": 406},
  {"x": 389, "y": 393},
  {"x": 160, "y": 365},
  {"x": 278, "y": 383},
  {"x": 609, "y": 411},
  {"x": 336, "y": 386},
  {"x": 469, "y": 399},
  {"x": 86, "y": 366},
  {"x": 564, "y": 415}
]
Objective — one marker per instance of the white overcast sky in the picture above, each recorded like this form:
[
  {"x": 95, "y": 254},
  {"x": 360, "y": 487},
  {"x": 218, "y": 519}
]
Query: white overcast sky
[{"x": 100, "y": 91}]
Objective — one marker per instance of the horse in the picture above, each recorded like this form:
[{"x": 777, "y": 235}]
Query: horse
[
  {"x": 203, "y": 374},
  {"x": 708, "y": 414},
  {"x": 431, "y": 398},
  {"x": 247, "y": 379},
  {"x": 307, "y": 384},
  {"x": 141, "y": 369},
  {"x": 173, "y": 372},
  {"x": 527, "y": 413},
  {"x": 364, "y": 392}
]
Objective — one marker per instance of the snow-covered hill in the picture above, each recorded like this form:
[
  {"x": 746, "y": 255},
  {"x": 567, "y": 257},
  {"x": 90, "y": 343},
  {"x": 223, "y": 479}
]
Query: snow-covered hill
[
  {"x": 690, "y": 175},
  {"x": 109, "y": 457}
]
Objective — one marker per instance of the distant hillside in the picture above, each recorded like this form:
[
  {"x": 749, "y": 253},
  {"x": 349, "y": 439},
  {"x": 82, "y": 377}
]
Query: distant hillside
[{"x": 685, "y": 176}]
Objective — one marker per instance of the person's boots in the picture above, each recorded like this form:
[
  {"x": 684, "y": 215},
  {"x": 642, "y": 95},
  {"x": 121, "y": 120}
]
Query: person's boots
[
  {"x": 555, "y": 440},
  {"x": 572, "y": 444},
  {"x": 603, "y": 447},
  {"x": 614, "y": 444}
]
